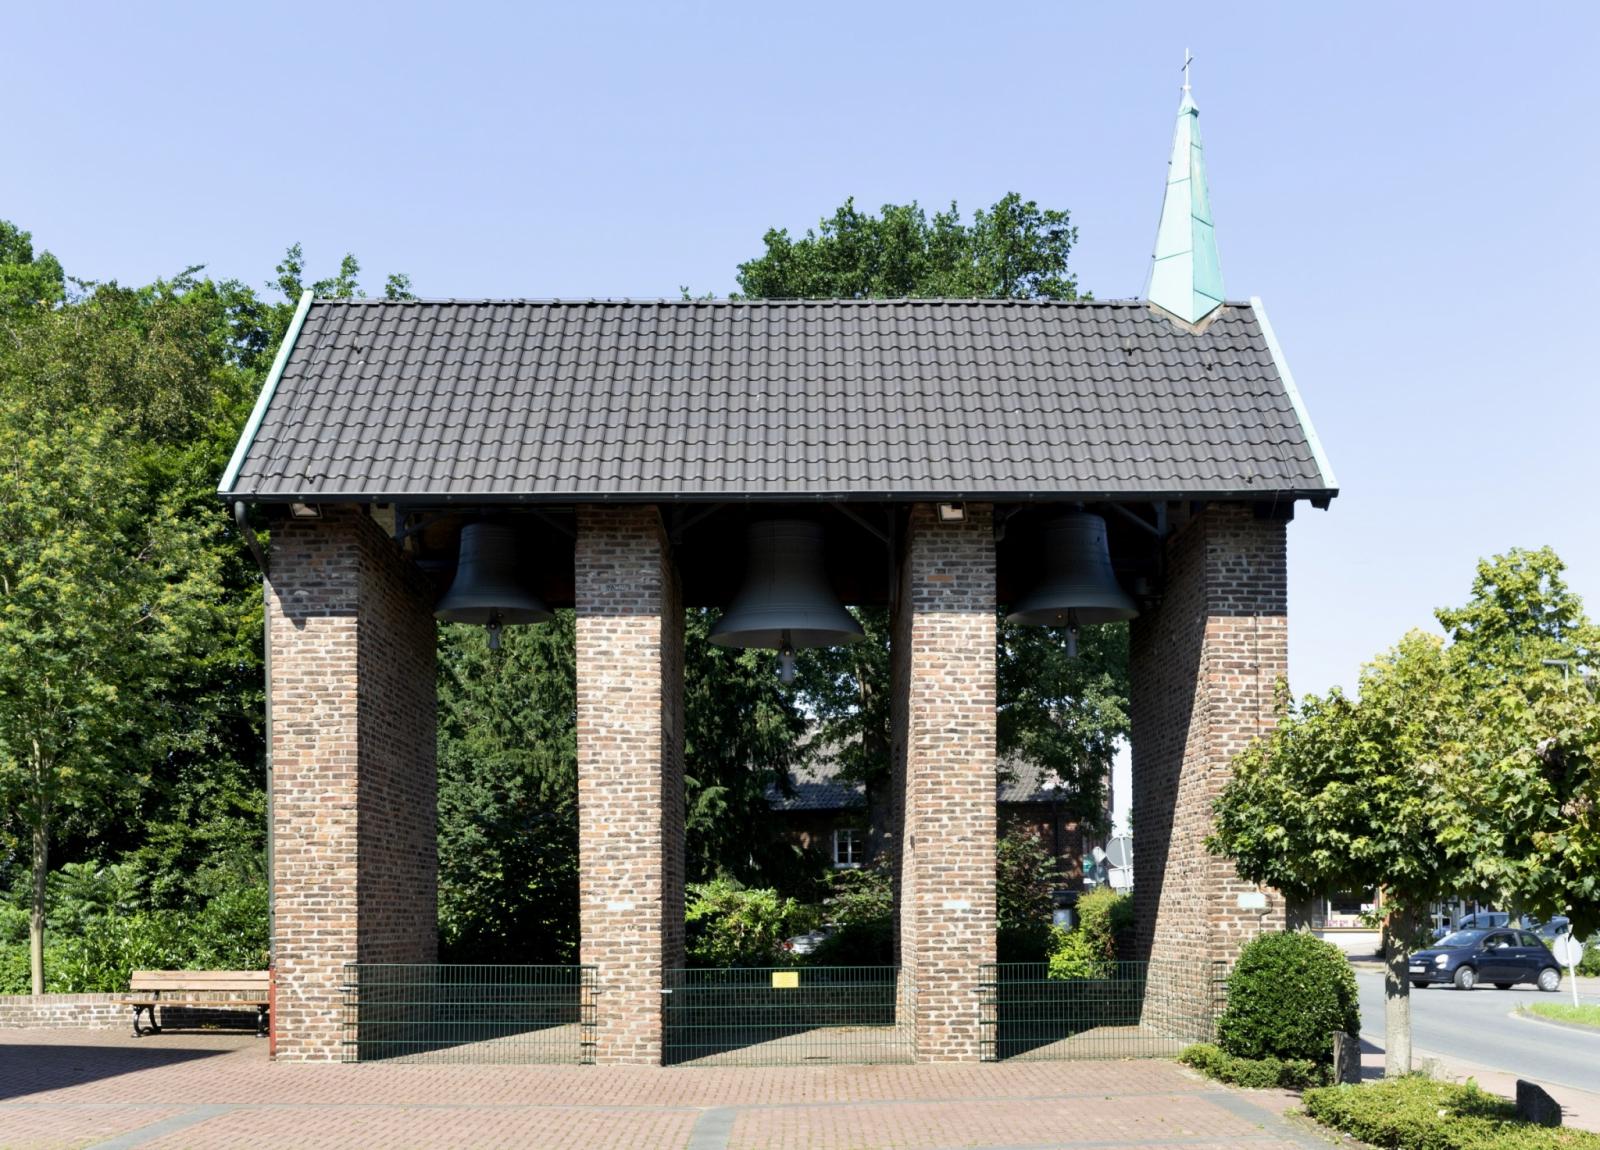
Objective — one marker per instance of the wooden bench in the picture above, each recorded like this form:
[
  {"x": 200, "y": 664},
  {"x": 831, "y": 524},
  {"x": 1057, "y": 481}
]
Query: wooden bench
[{"x": 216, "y": 989}]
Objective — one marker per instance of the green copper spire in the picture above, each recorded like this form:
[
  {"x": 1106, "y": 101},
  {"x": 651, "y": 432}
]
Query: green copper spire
[{"x": 1186, "y": 277}]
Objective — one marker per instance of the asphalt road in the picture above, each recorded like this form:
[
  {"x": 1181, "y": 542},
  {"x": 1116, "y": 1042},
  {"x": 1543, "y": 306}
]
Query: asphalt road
[{"x": 1479, "y": 1026}]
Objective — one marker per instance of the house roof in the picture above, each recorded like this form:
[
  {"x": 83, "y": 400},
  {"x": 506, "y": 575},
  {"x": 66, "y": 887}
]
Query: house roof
[
  {"x": 785, "y": 399},
  {"x": 818, "y": 788}
]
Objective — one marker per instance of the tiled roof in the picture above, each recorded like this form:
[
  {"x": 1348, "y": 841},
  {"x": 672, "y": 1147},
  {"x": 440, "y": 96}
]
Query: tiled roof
[
  {"x": 818, "y": 788},
  {"x": 780, "y": 399}
]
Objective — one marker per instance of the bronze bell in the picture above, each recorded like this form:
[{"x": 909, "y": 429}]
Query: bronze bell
[
  {"x": 785, "y": 601},
  {"x": 1079, "y": 585},
  {"x": 486, "y": 588}
]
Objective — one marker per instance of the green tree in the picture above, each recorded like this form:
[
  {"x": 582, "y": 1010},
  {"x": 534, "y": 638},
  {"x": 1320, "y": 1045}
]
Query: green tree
[
  {"x": 29, "y": 282},
  {"x": 1464, "y": 767},
  {"x": 508, "y": 813},
  {"x": 100, "y": 592},
  {"x": 741, "y": 733},
  {"x": 1014, "y": 250}
]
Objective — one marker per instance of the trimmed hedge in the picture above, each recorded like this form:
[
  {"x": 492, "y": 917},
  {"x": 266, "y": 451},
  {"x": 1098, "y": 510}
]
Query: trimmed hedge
[
  {"x": 1287, "y": 995},
  {"x": 1256, "y": 1073},
  {"x": 1417, "y": 1113}
]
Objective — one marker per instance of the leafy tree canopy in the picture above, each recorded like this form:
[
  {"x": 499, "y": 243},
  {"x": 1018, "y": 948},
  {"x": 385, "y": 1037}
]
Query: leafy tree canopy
[
  {"x": 1465, "y": 766},
  {"x": 1014, "y": 250},
  {"x": 28, "y": 282}
]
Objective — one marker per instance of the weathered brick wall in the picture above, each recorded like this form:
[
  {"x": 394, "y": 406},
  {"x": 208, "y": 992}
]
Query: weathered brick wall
[
  {"x": 630, "y": 772},
  {"x": 946, "y": 632},
  {"x": 353, "y": 710},
  {"x": 104, "y": 1012},
  {"x": 61, "y": 1011},
  {"x": 1204, "y": 667}
]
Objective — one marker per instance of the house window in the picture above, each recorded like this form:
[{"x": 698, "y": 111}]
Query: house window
[{"x": 848, "y": 847}]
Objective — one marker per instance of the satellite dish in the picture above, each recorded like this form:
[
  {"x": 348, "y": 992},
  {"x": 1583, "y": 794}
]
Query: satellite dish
[{"x": 1120, "y": 851}]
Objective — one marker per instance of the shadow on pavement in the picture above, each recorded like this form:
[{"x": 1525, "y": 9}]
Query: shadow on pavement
[{"x": 34, "y": 1069}]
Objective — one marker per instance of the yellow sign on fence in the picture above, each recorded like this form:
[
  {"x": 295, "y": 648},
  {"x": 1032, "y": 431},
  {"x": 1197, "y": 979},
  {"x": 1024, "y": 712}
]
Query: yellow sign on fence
[{"x": 785, "y": 980}]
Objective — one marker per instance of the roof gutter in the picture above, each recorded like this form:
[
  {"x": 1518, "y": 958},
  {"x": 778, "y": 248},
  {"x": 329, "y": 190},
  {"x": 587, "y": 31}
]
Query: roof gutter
[
  {"x": 247, "y": 437},
  {"x": 1300, "y": 411},
  {"x": 438, "y": 501}
]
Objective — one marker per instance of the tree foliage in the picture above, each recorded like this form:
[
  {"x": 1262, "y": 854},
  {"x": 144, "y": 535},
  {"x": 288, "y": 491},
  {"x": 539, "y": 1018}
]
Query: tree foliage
[
  {"x": 130, "y": 616},
  {"x": 1466, "y": 766},
  {"x": 1013, "y": 250},
  {"x": 508, "y": 814}
]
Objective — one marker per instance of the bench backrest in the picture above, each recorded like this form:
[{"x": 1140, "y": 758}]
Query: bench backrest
[{"x": 221, "y": 981}]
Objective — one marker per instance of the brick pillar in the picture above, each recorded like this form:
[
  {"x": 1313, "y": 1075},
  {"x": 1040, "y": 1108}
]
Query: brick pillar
[
  {"x": 1204, "y": 666},
  {"x": 355, "y": 864},
  {"x": 630, "y": 772},
  {"x": 944, "y": 743}
]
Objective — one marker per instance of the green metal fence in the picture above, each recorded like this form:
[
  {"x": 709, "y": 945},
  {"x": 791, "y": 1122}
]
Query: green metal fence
[
  {"x": 1137, "y": 1010},
  {"x": 784, "y": 1016},
  {"x": 462, "y": 1013}
]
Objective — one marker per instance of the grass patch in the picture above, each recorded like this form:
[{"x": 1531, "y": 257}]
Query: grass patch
[
  {"x": 1416, "y": 1113},
  {"x": 1585, "y": 1015},
  {"x": 1256, "y": 1073}
]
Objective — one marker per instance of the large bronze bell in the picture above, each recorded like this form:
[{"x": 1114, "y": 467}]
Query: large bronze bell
[
  {"x": 785, "y": 601},
  {"x": 486, "y": 589},
  {"x": 1079, "y": 585}
]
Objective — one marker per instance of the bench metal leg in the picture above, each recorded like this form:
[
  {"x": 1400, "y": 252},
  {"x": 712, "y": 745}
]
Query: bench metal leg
[
  {"x": 261, "y": 1022},
  {"x": 152, "y": 1028}
]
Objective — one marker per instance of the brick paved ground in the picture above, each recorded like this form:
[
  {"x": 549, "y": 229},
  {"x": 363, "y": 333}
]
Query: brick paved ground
[{"x": 98, "y": 1088}]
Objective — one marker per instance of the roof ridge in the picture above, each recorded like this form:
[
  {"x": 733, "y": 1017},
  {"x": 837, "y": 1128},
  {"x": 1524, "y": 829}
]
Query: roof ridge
[{"x": 640, "y": 301}]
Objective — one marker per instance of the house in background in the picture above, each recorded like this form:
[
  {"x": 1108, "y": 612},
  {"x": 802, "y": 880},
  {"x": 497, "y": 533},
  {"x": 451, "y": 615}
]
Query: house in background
[{"x": 828, "y": 814}]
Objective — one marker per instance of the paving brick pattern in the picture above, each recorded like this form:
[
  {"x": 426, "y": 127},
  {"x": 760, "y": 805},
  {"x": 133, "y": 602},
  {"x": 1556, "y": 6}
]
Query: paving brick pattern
[{"x": 62, "y": 1089}]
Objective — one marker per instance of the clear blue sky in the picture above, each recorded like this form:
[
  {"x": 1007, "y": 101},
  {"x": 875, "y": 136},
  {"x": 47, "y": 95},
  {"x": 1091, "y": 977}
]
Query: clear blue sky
[{"x": 1411, "y": 188}]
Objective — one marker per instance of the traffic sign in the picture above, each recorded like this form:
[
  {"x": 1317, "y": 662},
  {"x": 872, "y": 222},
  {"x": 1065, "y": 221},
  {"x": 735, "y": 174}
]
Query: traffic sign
[{"x": 1568, "y": 950}]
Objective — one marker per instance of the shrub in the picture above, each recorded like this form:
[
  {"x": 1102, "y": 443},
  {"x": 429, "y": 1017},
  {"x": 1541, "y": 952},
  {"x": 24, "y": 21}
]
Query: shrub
[
  {"x": 1591, "y": 958},
  {"x": 227, "y": 933},
  {"x": 1025, "y": 875},
  {"x": 1287, "y": 995},
  {"x": 1256, "y": 1073},
  {"x": 729, "y": 925},
  {"x": 860, "y": 908},
  {"x": 1089, "y": 950},
  {"x": 1024, "y": 942},
  {"x": 857, "y": 944},
  {"x": 1418, "y": 1112},
  {"x": 864, "y": 895}
]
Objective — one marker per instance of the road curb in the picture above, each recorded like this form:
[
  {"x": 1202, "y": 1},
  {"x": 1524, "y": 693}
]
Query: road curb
[{"x": 1523, "y": 1013}]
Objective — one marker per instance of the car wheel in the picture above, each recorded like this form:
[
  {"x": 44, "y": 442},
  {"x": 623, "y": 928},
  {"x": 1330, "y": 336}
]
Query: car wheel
[
  {"x": 1419, "y": 986},
  {"x": 1549, "y": 979},
  {"x": 1466, "y": 978},
  {"x": 1504, "y": 985}
]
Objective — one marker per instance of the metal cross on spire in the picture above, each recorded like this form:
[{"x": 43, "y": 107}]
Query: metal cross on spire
[{"x": 1187, "y": 60}]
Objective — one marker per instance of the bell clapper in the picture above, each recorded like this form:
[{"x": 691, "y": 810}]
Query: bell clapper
[
  {"x": 786, "y": 659},
  {"x": 494, "y": 631},
  {"x": 1072, "y": 634}
]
